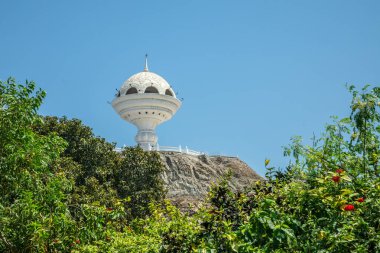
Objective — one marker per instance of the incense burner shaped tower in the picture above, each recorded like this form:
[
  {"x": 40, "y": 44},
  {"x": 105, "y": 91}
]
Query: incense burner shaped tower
[{"x": 146, "y": 100}]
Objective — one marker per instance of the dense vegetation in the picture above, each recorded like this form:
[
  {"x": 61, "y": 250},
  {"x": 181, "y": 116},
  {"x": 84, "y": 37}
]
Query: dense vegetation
[{"x": 62, "y": 189}]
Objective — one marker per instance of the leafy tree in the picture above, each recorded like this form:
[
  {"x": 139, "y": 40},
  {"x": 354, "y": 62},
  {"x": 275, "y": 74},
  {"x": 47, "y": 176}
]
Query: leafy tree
[
  {"x": 62, "y": 187},
  {"x": 137, "y": 179},
  {"x": 89, "y": 160},
  {"x": 32, "y": 190},
  {"x": 328, "y": 199},
  {"x": 104, "y": 176}
]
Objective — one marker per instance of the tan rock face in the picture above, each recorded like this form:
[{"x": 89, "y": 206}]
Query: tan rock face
[{"x": 188, "y": 178}]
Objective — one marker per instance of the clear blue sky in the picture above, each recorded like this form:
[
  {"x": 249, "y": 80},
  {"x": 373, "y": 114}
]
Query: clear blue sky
[{"x": 252, "y": 73}]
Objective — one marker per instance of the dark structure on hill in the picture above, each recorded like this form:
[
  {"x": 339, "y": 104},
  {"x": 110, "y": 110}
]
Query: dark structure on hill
[{"x": 189, "y": 177}]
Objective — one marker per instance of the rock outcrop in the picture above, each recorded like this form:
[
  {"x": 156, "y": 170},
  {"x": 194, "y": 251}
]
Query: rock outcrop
[{"x": 188, "y": 177}]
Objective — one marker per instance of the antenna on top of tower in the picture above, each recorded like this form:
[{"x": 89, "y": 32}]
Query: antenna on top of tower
[{"x": 146, "y": 63}]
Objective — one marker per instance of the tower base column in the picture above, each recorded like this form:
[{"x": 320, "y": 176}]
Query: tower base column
[{"x": 146, "y": 139}]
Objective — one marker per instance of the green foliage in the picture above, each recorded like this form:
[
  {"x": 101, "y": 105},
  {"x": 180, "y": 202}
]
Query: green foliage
[
  {"x": 138, "y": 179},
  {"x": 62, "y": 189},
  {"x": 103, "y": 176},
  {"x": 220, "y": 219},
  {"x": 89, "y": 160},
  {"x": 326, "y": 200},
  {"x": 165, "y": 230},
  {"x": 32, "y": 190}
]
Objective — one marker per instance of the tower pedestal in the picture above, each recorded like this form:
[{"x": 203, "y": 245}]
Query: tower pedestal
[
  {"x": 146, "y": 139},
  {"x": 146, "y": 100}
]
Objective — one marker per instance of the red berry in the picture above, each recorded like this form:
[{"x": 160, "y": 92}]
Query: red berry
[
  {"x": 77, "y": 241},
  {"x": 360, "y": 199},
  {"x": 349, "y": 208},
  {"x": 336, "y": 179},
  {"x": 339, "y": 171}
]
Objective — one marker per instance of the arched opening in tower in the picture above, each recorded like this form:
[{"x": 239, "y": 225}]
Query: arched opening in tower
[
  {"x": 151, "y": 89},
  {"x": 131, "y": 91},
  {"x": 168, "y": 92}
]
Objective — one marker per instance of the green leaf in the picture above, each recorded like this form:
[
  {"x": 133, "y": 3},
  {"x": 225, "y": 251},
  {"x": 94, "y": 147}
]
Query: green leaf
[{"x": 345, "y": 121}]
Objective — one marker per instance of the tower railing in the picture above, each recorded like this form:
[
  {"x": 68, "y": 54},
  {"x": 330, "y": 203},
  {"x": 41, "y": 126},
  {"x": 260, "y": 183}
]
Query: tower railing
[{"x": 178, "y": 149}]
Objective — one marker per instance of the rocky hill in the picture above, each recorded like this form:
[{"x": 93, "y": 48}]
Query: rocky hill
[{"x": 188, "y": 177}]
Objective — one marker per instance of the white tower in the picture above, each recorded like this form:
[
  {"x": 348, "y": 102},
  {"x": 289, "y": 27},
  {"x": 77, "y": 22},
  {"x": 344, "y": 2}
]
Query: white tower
[{"x": 146, "y": 100}]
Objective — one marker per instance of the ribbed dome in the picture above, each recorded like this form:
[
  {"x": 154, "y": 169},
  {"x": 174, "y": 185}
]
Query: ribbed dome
[{"x": 143, "y": 80}]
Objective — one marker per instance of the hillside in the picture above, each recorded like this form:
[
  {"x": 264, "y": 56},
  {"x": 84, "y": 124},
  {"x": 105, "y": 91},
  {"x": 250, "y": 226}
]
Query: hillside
[{"x": 188, "y": 177}]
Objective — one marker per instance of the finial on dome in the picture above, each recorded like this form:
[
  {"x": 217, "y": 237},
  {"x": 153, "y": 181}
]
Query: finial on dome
[{"x": 146, "y": 63}]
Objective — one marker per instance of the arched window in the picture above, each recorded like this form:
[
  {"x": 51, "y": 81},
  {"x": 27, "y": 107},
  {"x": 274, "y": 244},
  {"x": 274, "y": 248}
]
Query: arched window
[
  {"x": 131, "y": 91},
  {"x": 168, "y": 92},
  {"x": 151, "y": 89}
]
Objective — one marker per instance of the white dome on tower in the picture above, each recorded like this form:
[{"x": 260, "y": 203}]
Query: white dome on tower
[
  {"x": 146, "y": 80},
  {"x": 146, "y": 100}
]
